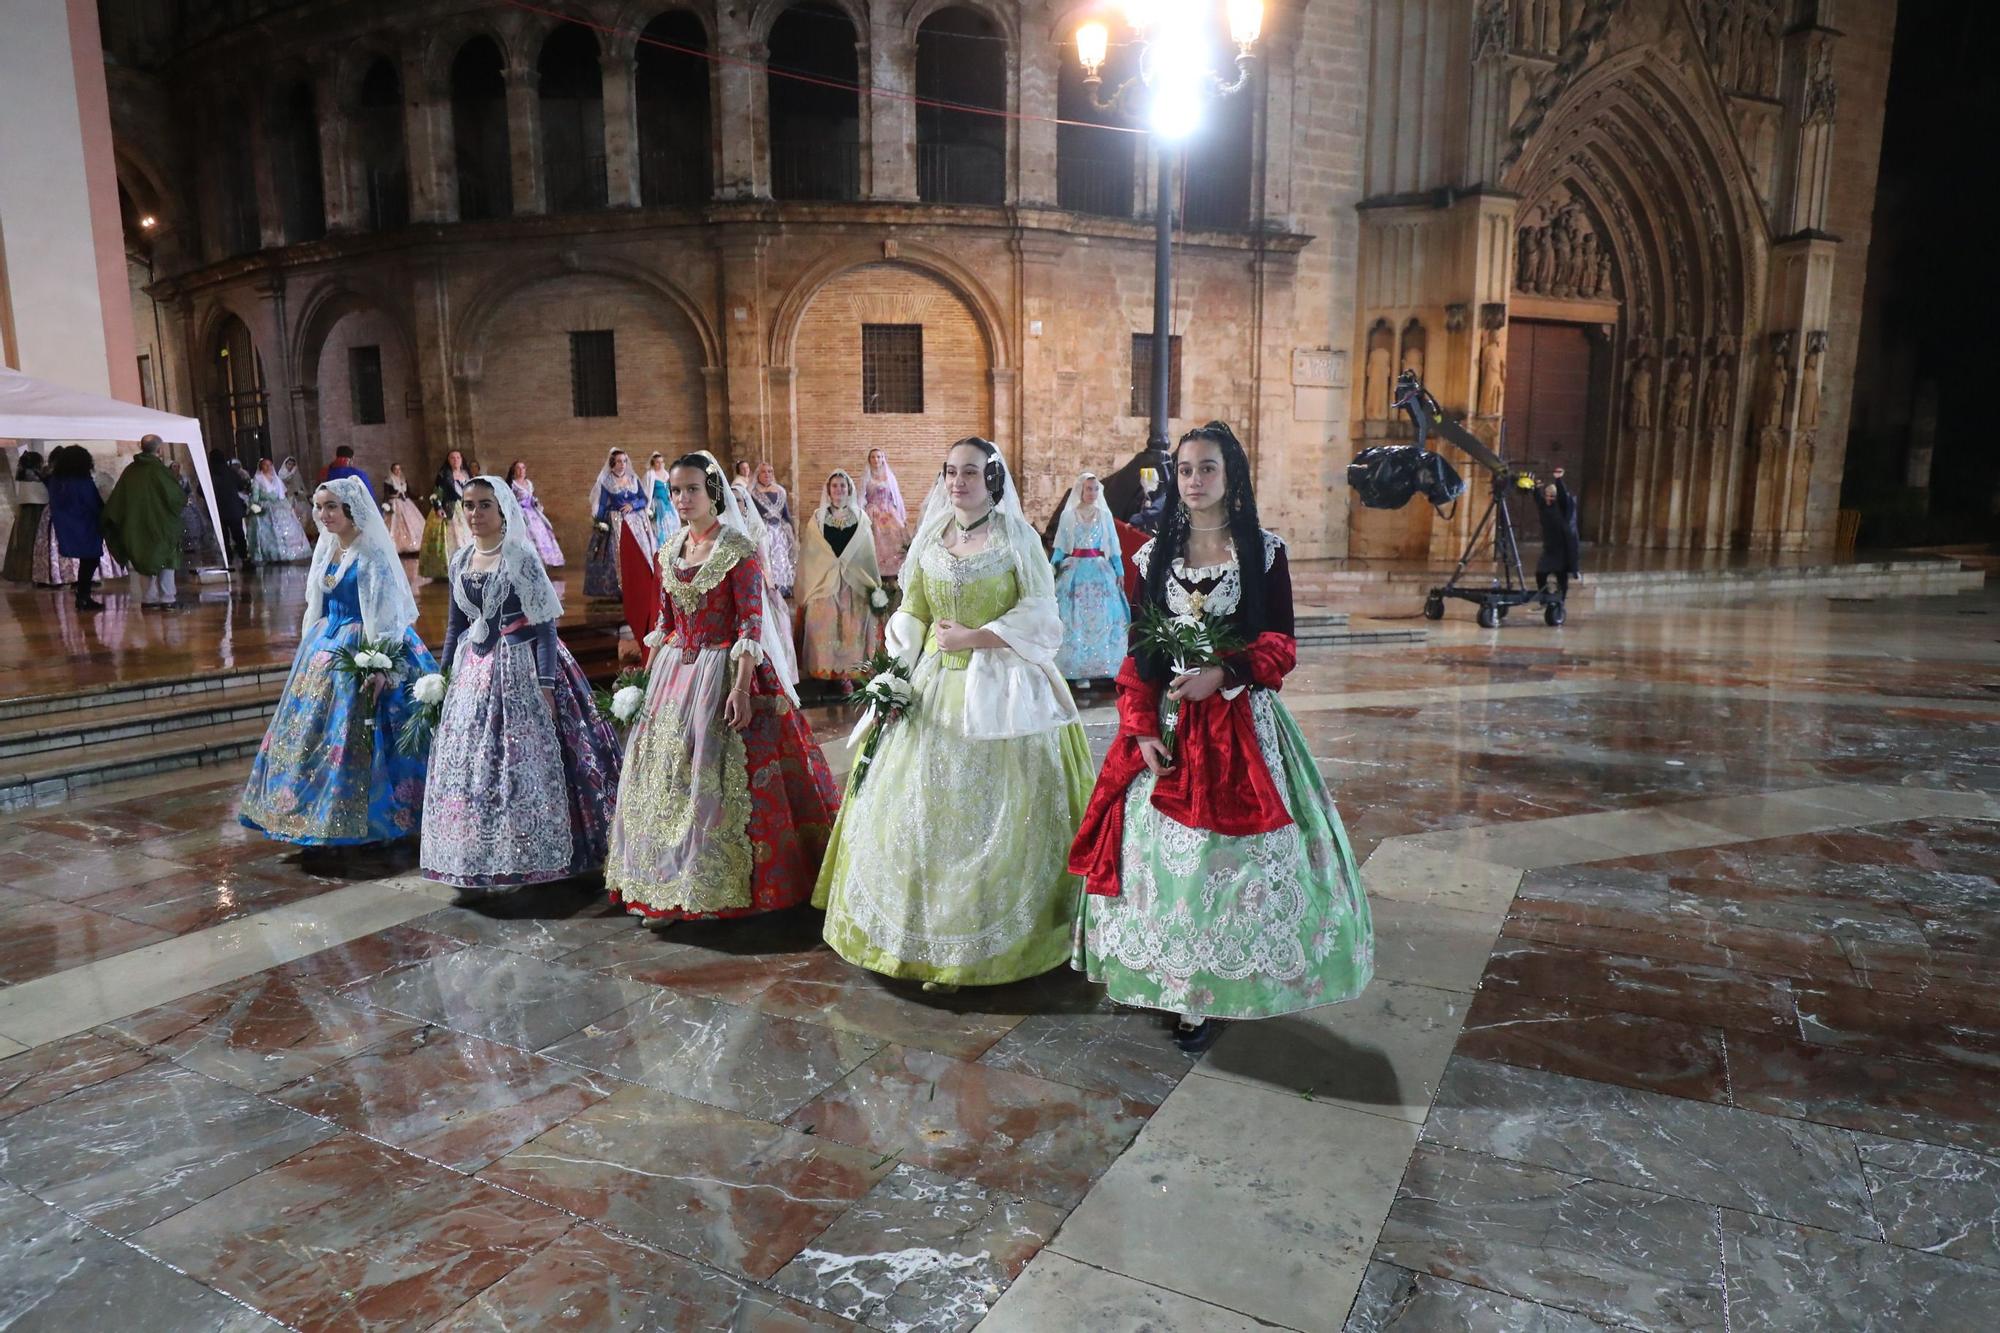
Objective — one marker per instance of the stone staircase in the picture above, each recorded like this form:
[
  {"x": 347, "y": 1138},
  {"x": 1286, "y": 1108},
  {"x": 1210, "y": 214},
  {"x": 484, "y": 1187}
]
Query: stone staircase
[
  {"x": 1315, "y": 627},
  {"x": 56, "y": 747}
]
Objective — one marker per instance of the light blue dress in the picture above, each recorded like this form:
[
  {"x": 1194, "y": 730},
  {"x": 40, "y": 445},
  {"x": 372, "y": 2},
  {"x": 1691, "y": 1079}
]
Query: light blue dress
[
  {"x": 665, "y": 521},
  {"x": 328, "y": 773},
  {"x": 1090, "y": 597}
]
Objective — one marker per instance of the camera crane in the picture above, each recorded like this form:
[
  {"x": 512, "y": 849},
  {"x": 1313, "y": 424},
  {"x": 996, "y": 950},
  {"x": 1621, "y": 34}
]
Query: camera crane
[{"x": 1509, "y": 587}]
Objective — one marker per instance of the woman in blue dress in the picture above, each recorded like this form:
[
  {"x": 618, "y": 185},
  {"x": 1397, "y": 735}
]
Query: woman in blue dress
[
  {"x": 618, "y": 500},
  {"x": 660, "y": 496},
  {"x": 328, "y": 773},
  {"x": 1090, "y": 586}
]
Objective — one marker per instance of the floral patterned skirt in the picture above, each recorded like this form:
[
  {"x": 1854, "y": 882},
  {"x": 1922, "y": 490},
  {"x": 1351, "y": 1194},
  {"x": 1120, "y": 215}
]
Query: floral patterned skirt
[
  {"x": 328, "y": 773},
  {"x": 712, "y": 822},
  {"x": 406, "y": 524},
  {"x": 50, "y": 568},
  {"x": 515, "y": 796},
  {"x": 1226, "y": 927},
  {"x": 841, "y": 632},
  {"x": 434, "y": 556},
  {"x": 542, "y": 535},
  {"x": 600, "y": 560},
  {"x": 1096, "y": 621},
  {"x": 20, "y": 565}
]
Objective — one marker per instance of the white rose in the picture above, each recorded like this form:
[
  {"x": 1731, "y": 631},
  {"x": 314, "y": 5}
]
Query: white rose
[
  {"x": 878, "y": 599},
  {"x": 885, "y": 681},
  {"x": 379, "y": 661},
  {"x": 1192, "y": 621},
  {"x": 657, "y": 638},
  {"x": 625, "y": 703},
  {"x": 429, "y": 689}
]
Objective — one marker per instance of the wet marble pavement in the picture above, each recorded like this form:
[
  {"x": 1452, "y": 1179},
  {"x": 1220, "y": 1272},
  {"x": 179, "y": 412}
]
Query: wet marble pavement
[{"x": 1684, "y": 1018}]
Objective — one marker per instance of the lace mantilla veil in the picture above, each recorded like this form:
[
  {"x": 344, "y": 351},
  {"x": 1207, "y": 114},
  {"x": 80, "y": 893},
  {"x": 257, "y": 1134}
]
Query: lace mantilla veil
[{"x": 388, "y": 607}]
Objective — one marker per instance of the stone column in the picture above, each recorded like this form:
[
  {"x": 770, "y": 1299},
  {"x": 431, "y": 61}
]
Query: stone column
[
  {"x": 1035, "y": 132},
  {"x": 621, "y": 123},
  {"x": 446, "y": 397},
  {"x": 742, "y": 110},
  {"x": 264, "y": 173},
  {"x": 524, "y": 136},
  {"x": 742, "y": 255},
  {"x": 270, "y": 334},
  {"x": 1805, "y": 163},
  {"x": 336, "y": 178},
  {"x": 889, "y": 124},
  {"x": 427, "y": 143}
]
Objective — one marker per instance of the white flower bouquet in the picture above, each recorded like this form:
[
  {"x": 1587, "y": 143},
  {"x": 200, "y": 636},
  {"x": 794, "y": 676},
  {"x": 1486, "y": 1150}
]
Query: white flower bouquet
[
  {"x": 878, "y": 601},
  {"x": 887, "y": 695},
  {"x": 620, "y": 705},
  {"x": 388, "y": 510},
  {"x": 602, "y": 526},
  {"x": 1190, "y": 642},
  {"x": 428, "y": 692},
  {"x": 374, "y": 664},
  {"x": 256, "y": 510}
]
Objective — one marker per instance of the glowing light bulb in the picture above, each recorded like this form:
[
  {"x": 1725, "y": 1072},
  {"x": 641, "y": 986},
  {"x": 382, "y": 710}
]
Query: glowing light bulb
[
  {"x": 149, "y": 222},
  {"x": 1092, "y": 41},
  {"x": 1140, "y": 13},
  {"x": 1246, "y": 22},
  {"x": 1179, "y": 73}
]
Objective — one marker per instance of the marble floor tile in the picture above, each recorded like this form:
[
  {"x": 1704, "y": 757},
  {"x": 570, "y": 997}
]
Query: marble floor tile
[
  {"x": 131, "y": 1150},
  {"x": 741, "y": 1194},
  {"x": 1654, "y": 1054},
  {"x": 1653, "y": 987},
  {"x": 1438, "y": 876},
  {"x": 1276, "y": 1224},
  {"x": 8, "y": 1046},
  {"x": 198, "y": 899},
  {"x": 1382, "y": 1052},
  {"x": 1943, "y": 1201},
  {"x": 95, "y": 993},
  {"x": 592, "y": 1282},
  {"x": 639, "y": 954},
  {"x": 1430, "y": 945},
  {"x": 1881, "y": 1094},
  {"x": 56, "y": 1273},
  {"x": 1528, "y": 845},
  {"x": 45, "y": 1073},
  {"x": 716, "y": 1052},
  {"x": 1395, "y": 1300},
  {"x": 1794, "y": 954},
  {"x": 508, "y": 997},
  {"x": 1007, "y": 1131},
  {"x": 827, "y": 990},
  {"x": 459, "y": 1100},
  {"x": 1055, "y": 1292},
  {"x": 1766, "y": 815},
  {"x": 106, "y": 826},
  {"x": 352, "y": 1234},
  {"x": 42, "y": 938},
  {"x": 1616, "y": 1254},
  {"x": 366, "y": 958},
  {"x": 1123, "y": 1051},
  {"x": 507, "y": 924},
  {"x": 78, "y": 877},
  {"x": 1693, "y": 1150},
  {"x": 1646, "y": 831},
  {"x": 1783, "y": 1277},
  {"x": 1963, "y": 1030},
  {"x": 260, "y": 1033},
  {"x": 920, "y": 1252}
]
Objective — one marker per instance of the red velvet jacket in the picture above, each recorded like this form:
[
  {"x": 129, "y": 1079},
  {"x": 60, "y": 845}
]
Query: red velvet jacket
[{"x": 1220, "y": 780}]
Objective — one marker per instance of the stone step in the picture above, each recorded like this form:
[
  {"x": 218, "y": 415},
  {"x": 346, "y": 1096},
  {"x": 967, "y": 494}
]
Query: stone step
[
  {"x": 50, "y": 779},
  {"x": 76, "y": 729},
  {"x": 1363, "y": 637},
  {"x": 165, "y": 692}
]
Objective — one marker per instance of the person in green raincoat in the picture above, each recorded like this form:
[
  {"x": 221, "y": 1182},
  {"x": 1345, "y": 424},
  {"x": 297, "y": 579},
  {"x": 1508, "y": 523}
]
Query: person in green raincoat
[{"x": 142, "y": 524}]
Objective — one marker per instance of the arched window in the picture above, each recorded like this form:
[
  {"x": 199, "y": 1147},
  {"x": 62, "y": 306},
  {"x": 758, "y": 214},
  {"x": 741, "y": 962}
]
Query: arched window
[
  {"x": 237, "y": 402},
  {"x": 1096, "y": 165},
  {"x": 378, "y": 139},
  {"x": 961, "y": 153},
  {"x": 479, "y": 131},
  {"x": 815, "y": 129},
  {"x": 672, "y": 88},
  {"x": 572, "y": 88},
  {"x": 237, "y": 182},
  {"x": 1219, "y": 176},
  {"x": 295, "y": 161}
]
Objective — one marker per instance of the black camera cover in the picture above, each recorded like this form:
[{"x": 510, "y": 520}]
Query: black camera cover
[{"x": 1387, "y": 476}]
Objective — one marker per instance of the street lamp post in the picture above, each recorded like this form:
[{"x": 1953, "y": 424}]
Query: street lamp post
[{"x": 1167, "y": 94}]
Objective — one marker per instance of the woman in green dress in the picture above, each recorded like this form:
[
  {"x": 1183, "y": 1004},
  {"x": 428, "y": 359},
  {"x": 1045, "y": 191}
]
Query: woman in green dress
[
  {"x": 947, "y": 862},
  {"x": 1221, "y": 883}
]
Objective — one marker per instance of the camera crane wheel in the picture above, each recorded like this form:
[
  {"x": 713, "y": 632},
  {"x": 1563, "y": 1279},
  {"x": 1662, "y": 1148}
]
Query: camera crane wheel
[
  {"x": 1434, "y": 606},
  {"x": 1489, "y": 616}
]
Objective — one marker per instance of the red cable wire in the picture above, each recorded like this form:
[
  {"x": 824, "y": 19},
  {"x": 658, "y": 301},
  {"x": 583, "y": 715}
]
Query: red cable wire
[{"x": 816, "y": 80}]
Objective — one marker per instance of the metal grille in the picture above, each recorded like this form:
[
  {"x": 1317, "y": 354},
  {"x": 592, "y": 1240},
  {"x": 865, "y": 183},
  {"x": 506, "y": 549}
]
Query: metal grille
[
  {"x": 364, "y": 376},
  {"x": 1142, "y": 375},
  {"x": 892, "y": 368},
  {"x": 593, "y": 373}
]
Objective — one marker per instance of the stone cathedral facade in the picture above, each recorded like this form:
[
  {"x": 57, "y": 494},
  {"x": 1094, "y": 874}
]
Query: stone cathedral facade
[{"x": 1626, "y": 237}]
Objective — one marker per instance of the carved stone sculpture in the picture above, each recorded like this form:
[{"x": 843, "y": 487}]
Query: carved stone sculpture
[
  {"x": 1492, "y": 374},
  {"x": 1639, "y": 392},
  {"x": 1809, "y": 383},
  {"x": 1375, "y": 385},
  {"x": 1721, "y": 397},
  {"x": 1680, "y": 400},
  {"x": 1777, "y": 388}
]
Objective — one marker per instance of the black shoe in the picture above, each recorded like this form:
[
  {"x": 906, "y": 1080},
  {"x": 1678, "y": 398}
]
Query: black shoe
[
  {"x": 90, "y": 604},
  {"x": 1195, "y": 1040}
]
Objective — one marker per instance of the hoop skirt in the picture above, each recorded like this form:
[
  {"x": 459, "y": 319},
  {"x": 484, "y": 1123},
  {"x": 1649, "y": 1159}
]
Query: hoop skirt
[
  {"x": 328, "y": 773},
  {"x": 405, "y": 520},
  {"x": 711, "y": 822},
  {"x": 275, "y": 537},
  {"x": 1090, "y": 596},
  {"x": 540, "y": 534}
]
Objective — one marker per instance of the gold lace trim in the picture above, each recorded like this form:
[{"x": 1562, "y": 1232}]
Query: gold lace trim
[
  {"x": 731, "y": 547},
  {"x": 658, "y": 798}
]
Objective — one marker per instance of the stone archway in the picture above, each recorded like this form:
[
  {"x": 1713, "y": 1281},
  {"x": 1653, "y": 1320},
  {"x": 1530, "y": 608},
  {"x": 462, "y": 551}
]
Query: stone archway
[
  {"x": 354, "y": 358},
  {"x": 1637, "y": 223}
]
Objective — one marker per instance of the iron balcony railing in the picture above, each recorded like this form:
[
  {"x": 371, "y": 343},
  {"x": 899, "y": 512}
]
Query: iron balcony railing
[
  {"x": 961, "y": 173},
  {"x": 825, "y": 169}
]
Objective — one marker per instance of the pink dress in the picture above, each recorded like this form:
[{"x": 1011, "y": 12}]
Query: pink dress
[{"x": 892, "y": 539}]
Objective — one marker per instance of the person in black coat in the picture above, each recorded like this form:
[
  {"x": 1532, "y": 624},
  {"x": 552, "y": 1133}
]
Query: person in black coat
[
  {"x": 1562, "y": 547},
  {"x": 230, "y": 488}
]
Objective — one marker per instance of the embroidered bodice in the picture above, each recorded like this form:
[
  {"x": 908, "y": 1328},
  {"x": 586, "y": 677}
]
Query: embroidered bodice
[
  {"x": 716, "y": 605},
  {"x": 621, "y": 501},
  {"x": 774, "y": 508},
  {"x": 508, "y": 626},
  {"x": 267, "y": 488},
  {"x": 972, "y": 590},
  {"x": 396, "y": 486},
  {"x": 524, "y": 491},
  {"x": 877, "y": 497},
  {"x": 1219, "y": 588},
  {"x": 343, "y": 595}
]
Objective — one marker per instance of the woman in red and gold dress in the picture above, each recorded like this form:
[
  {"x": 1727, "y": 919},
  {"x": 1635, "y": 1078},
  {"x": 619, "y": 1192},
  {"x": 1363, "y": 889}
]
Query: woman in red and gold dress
[{"x": 725, "y": 803}]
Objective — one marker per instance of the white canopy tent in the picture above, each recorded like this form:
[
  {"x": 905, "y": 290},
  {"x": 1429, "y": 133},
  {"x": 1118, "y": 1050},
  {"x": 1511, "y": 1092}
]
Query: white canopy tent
[{"x": 32, "y": 409}]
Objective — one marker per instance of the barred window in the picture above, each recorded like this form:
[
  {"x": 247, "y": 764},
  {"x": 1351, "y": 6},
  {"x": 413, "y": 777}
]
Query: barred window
[
  {"x": 364, "y": 378},
  {"x": 892, "y": 368},
  {"x": 1142, "y": 375},
  {"x": 593, "y": 373}
]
